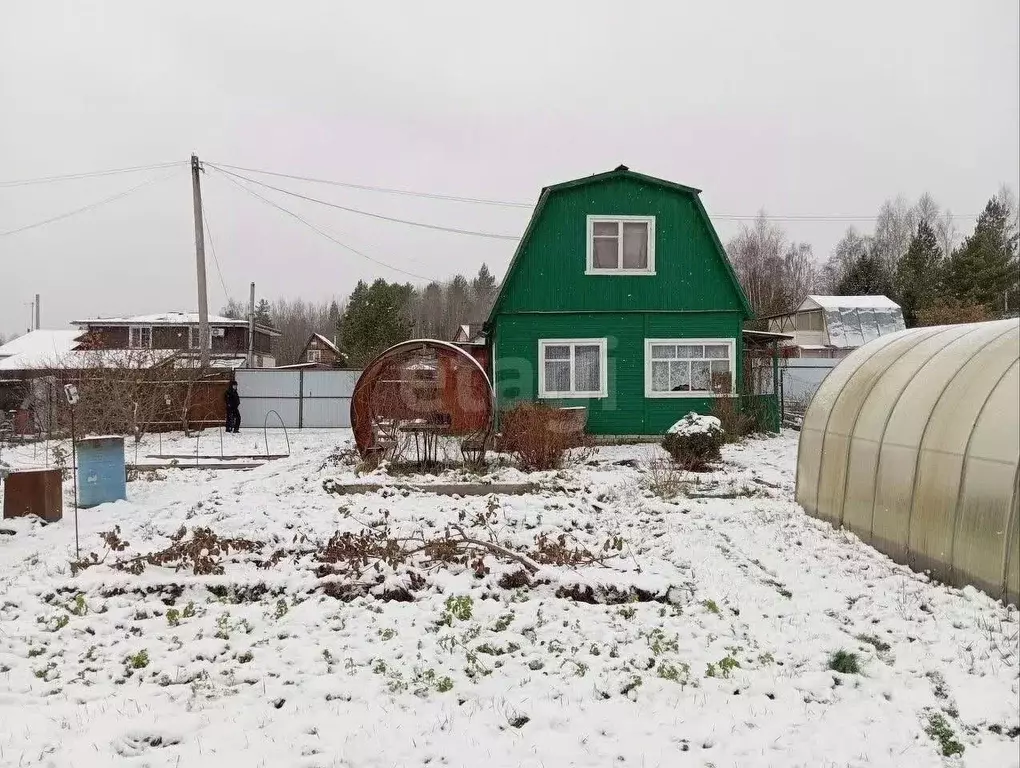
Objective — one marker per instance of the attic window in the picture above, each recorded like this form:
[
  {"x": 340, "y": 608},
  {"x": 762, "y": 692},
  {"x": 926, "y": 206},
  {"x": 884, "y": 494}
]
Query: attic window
[{"x": 621, "y": 245}]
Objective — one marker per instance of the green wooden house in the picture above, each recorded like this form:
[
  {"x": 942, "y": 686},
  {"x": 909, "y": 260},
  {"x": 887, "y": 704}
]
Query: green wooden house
[{"x": 620, "y": 299}]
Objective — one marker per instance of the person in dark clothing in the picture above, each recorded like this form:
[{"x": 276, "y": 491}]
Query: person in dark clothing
[{"x": 233, "y": 401}]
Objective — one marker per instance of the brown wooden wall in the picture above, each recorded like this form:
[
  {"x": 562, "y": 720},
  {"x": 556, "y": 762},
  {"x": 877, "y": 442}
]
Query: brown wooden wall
[{"x": 233, "y": 341}]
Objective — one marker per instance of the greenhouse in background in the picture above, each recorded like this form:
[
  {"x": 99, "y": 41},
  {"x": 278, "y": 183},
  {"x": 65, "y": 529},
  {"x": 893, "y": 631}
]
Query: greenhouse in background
[{"x": 913, "y": 443}]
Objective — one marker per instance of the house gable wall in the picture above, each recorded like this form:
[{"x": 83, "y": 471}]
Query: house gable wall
[{"x": 548, "y": 273}]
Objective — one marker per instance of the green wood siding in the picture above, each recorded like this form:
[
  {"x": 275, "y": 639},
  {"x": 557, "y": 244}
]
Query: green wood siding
[
  {"x": 548, "y": 274},
  {"x": 547, "y": 295},
  {"x": 626, "y": 410}
]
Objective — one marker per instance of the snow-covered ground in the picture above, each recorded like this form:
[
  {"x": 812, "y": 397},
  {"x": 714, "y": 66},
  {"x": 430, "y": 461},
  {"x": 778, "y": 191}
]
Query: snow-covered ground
[{"x": 733, "y": 603}]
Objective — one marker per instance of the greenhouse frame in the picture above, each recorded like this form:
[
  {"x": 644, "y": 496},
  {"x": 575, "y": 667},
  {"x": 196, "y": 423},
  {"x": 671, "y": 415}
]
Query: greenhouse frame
[{"x": 913, "y": 444}]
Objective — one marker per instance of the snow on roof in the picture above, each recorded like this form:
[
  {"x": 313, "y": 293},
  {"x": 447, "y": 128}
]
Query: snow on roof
[
  {"x": 333, "y": 347},
  {"x": 36, "y": 348},
  {"x": 847, "y": 302},
  {"x": 172, "y": 318},
  {"x": 163, "y": 318}
]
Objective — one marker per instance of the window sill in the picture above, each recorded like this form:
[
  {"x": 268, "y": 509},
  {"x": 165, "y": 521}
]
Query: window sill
[
  {"x": 619, "y": 272},
  {"x": 572, "y": 395},
  {"x": 681, "y": 395}
]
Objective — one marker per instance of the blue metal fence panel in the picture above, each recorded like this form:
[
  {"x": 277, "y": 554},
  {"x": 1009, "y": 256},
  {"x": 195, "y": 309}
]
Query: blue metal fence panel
[{"x": 101, "y": 471}]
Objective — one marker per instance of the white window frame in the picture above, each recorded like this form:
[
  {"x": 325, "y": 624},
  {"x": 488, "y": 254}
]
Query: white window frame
[
  {"x": 314, "y": 356},
  {"x": 591, "y": 269},
  {"x": 603, "y": 390},
  {"x": 731, "y": 346},
  {"x": 132, "y": 329}
]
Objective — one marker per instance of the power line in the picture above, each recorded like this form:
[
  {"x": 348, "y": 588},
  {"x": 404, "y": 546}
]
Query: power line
[
  {"x": 474, "y": 233},
  {"x": 216, "y": 261},
  {"x": 88, "y": 207},
  {"x": 387, "y": 190},
  {"x": 88, "y": 175},
  {"x": 807, "y": 217},
  {"x": 314, "y": 228}
]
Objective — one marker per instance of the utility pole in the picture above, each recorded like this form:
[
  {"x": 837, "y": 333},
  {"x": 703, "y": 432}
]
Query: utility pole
[
  {"x": 251, "y": 327},
  {"x": 37, "y": 315},
  {"x": 205, "y": 339}
]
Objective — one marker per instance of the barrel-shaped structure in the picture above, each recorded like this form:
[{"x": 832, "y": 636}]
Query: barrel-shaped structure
[
  {"x": 913, "y": 443},
  {"x": 101, "y": 471}
]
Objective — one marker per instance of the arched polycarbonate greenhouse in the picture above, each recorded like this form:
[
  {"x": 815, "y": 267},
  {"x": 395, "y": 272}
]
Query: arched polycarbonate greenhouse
[{"x": 913, "y": 443}]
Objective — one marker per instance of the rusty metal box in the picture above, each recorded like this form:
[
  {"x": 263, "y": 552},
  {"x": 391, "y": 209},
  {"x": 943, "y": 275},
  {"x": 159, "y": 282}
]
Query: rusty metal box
[{"x": 34, "y": 492}]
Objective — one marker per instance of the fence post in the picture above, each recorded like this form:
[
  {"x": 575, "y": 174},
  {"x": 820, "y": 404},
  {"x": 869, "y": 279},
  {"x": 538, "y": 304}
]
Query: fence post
[{"x": 301, "y": 399}]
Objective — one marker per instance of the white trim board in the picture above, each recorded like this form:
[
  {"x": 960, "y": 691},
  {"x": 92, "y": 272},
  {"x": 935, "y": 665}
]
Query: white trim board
[
  {"x": 731, "y": 345},
  {"x": 603, "y": 391},
  {"x": 590, "y": 269}
]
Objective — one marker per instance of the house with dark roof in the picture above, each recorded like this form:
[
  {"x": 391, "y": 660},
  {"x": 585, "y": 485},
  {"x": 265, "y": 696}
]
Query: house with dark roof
[
  {"x": 176, "y": 335},
  {"x": 320, "y": 351},
  {"x": 619, "y": 299}
]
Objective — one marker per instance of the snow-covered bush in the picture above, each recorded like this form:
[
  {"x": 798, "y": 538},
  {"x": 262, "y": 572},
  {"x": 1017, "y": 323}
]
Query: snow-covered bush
[{"x": 695, "y": 440}]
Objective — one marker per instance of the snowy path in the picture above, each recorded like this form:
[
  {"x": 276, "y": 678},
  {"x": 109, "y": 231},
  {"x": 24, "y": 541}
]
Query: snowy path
[{"x": 726, "y": 665}]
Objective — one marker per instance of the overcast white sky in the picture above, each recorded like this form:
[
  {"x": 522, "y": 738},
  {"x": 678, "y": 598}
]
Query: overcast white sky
[{"x": 800, "y": 107}]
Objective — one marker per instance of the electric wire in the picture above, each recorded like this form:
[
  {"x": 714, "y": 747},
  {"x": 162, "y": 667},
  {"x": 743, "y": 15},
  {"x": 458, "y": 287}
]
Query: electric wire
[
  {"x": 89, "y": 174},
  {"x": 90, "y": 206},
  {"x": 387, "y": 190},
  {"x": 436, "y": 227},
  {"x": 316, "y": 229},
  {"x": 807, "y": 217},
  {"x": 212, "y": 247}
]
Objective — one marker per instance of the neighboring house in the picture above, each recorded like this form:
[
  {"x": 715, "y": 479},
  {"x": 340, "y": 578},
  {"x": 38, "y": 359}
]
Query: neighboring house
[
  {"x": 321, "y": 351},
  {"x": 177, "y": 333},
  {"x": 834, "y": 326},
  {"x": 470, "y": 333},
  {"x": 37, "y": 349},
  {"x": 471, "y": 338},
  {"x": 620, "y": 299}
]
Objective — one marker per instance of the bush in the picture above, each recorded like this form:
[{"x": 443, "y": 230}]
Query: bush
[
  {"x": 844, "y": 662},
  {"x": 952, "y": 312},
  {"x": 733, "y": 419},
  {"x": 695, "y": 441},
  {"x": 539, "y": 436}
]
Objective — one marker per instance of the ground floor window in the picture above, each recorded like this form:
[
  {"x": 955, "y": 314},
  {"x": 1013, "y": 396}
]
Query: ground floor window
[
  {"x": 572, "y": 368},
  {"x": 688, "y": 367}
]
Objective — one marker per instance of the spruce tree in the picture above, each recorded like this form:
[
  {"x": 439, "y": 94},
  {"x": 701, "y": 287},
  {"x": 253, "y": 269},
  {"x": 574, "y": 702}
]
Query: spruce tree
[
  {"x": 919, "y": 273},
  {"x": 984, "y": 268},
  {"x": 375, "y": 319},
  {"x": 263, "y": 313},
  {"x": 866, "y": 275}
]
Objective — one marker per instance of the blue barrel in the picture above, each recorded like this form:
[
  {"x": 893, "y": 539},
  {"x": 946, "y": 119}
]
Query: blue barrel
[{"x": 101, "y": 474}]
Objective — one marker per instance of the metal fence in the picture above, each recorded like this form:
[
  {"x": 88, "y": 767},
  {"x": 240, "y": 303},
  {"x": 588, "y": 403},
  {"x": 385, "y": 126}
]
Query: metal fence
[
  {"x": 799, "y": 379},
  {"x": 302, "y": 398}
]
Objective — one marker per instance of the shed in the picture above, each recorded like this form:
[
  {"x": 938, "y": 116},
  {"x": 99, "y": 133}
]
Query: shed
[{"x": 913, "y": 443}]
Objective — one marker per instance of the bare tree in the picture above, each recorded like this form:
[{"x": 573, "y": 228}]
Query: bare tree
[
  {"x": 895, "y": 226},
  {"x": 775, "y": 274},
  {"x": 801, "y": 272},
  {"x": 846, "y": 253},
  {"x": 128, "y": 392},
  {"x": 946, "y": 233}
]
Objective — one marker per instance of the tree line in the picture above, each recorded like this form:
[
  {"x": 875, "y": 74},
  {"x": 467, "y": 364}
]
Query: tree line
[
  {"x": 914, "y": 255},
  {"x": 374, "y": 316}
]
